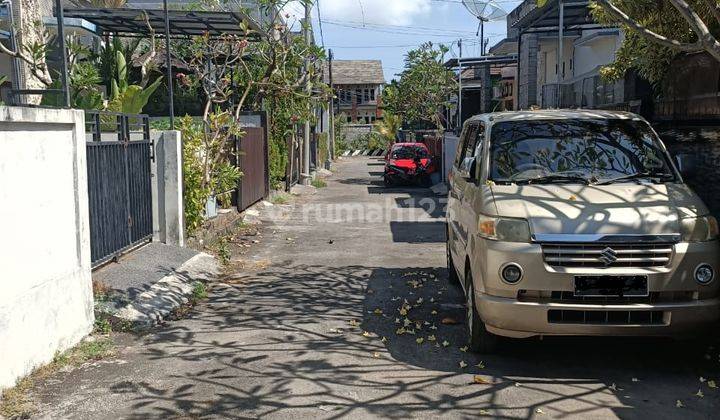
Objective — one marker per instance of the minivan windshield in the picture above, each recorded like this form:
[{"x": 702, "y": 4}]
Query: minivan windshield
[{"x": 589, "y": 151}]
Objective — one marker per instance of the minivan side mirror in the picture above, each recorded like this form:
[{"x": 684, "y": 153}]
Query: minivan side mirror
[
  {"x": 686, "y": 163},
  {"x": 467, "y": 168}
]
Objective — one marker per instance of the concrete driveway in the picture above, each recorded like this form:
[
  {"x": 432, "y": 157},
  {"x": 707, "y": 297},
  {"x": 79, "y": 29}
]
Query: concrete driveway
[{"x": 306, "y": 326}]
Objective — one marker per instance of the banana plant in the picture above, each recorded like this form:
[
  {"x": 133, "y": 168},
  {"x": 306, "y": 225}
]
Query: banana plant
[{"x": 127, "y": 98}]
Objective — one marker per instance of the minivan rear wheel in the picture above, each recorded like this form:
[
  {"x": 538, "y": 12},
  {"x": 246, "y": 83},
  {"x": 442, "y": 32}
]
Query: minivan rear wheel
[{"x": 479, "y": 339}]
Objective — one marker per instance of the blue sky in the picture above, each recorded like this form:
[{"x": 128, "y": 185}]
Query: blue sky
[{"x": 386, "y": 29}]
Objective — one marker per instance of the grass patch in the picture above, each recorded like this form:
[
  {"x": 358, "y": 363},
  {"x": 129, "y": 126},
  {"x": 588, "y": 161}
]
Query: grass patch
[
  {"x": 199, "y": 291},
  {"x": 319, "y": 183},
  {"x": 101, "y": 291},
  {"x": 17, "y": 402},
  {"x": 280, "y": 198},
  {"x": 223, "y": 250}
]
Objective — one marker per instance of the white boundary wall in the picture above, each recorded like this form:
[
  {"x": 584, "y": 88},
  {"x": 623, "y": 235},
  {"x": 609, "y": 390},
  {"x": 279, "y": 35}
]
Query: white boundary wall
[{"x": 46, "y": 303}]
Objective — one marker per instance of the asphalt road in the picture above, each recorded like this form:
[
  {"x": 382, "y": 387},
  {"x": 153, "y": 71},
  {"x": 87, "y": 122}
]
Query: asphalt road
[{"x": 305, "y": 326}]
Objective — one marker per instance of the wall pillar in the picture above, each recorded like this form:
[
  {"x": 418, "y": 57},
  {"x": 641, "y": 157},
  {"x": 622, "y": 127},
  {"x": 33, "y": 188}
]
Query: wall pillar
[
  {"x": 46, "y": 304},
  {"x": 486, "y": 93},
  {"x": 527, "y": 79},
  {"x": 168, "y": 207}
]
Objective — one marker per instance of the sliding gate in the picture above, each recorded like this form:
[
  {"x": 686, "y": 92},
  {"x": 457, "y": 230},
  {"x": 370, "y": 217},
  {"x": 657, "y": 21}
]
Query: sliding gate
[{"x": 119, "y": 153}]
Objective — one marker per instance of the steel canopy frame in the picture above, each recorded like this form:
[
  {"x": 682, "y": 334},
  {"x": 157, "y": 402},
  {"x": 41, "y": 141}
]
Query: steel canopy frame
[{"x": 127, "y": 22}]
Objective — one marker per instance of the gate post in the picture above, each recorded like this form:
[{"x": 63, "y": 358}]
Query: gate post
[{"x": 170, "y": 206}]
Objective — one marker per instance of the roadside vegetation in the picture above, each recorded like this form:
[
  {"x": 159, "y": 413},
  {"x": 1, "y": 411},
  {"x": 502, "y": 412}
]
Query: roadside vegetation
[{"x": 17, "y": 402}]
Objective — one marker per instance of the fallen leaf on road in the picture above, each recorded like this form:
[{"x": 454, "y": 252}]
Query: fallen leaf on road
[
  {"x": 448, "y": 321},
  {"x": 419, "y": 340},
  {"x": 376, "y": 355},
  {"x": 370, "y": 291},
  {"x": 480, "y": 380},
  {"x": 484, "y": 413},
  {"x": 403, "y": 311},
  {"x": 397, "y": 320},
  {"x": 702, "y": 379},
  {"x": 406, "y": 322},
  {"x": 711, "y": 384},
  {"x": 518, "y": 384},
  {"x": 464, "y": 349},
  {"x": 400, "y": 331},
  {"x": 434, "y": 312},
  {"x": 679, "y": 404},
  {"x": 539, "y": 411},
  {"x": 635, "y": 380},
  {"x": 384, "y": 340},
  {"x": 411, "y": 332},
  {"x": 433, "y": 327},
  {"x": 420, "y": 301},
  {"x": 366, "y": 334},
  {"x": 462, "y": 364},
  {"x": 445, "y": 343},
  {"x": 699, "y": 394},
  {"x": 378, "y": 311},
  {"x": 431, "y": 338},
  {"x": 480, "y": 365},
  {"x": 613, "y": 387},
  {"x": 353, "y": 323}
]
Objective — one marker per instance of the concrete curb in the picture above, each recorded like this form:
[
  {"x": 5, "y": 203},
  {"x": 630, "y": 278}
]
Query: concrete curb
[{"x": 168, "y": 294}]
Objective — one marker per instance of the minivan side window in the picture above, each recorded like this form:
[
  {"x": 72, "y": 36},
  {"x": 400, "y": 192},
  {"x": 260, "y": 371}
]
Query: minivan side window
[{"x": 467, "y": 143}]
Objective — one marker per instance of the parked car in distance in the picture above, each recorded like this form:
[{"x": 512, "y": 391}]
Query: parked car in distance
[
  {"x": 577, "y": 223},
  {"x": 408, "y": 163}
]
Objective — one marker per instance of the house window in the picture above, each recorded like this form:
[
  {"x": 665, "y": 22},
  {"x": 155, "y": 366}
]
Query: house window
[
  {"x": 358, "y": 95},
  {"x": 372, "y": 94},
  {"x": 366, "y": 95}
]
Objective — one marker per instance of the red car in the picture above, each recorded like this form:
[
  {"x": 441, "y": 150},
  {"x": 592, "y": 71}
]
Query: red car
[{"x": 408, "y": 163}]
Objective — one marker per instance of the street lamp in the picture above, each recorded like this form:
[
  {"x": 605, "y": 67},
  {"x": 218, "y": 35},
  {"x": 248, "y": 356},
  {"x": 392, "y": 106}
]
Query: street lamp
[{"x": 484, "y": 11}]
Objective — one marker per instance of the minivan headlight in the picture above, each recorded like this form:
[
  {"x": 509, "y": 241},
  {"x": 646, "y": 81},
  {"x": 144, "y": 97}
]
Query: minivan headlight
[
  {"x": 503, "y": 229},
  {"x": 699, "y": 229}
]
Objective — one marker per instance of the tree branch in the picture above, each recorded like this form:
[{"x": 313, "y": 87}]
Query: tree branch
[
  {"x": 714, "y": 7},
  {"x": 623, "y": 18},
  {"x": 39, "y": 70},
  {"x": 144, "y": 71}
]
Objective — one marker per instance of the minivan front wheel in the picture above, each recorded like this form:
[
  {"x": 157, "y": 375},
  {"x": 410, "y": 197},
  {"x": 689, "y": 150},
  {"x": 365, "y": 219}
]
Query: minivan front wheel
[
  {"x": 453, "y": 277},
  {"x": 479, "y": 339}
]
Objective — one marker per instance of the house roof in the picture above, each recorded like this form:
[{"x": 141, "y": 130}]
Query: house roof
[{"x": 356, "y": 72}]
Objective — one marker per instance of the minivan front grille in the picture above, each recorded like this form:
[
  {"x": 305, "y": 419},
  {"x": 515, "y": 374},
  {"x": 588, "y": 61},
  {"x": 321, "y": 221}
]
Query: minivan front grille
[
  {"x": 562, "y": 316},
  {"x": 607, "y": 255}
]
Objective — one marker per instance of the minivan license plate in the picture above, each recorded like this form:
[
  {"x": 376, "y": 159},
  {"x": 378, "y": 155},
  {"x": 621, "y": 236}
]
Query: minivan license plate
[{"x": 611, "y": 286}]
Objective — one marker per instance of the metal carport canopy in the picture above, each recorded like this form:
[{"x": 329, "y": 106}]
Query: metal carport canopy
[
  {"x": 488, "y": 60},
  {"x": 132, "y": 22},
  {"x": 576, "y": 14}
]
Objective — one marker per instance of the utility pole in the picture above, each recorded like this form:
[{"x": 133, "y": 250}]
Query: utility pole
[
  {"x": 331, "y": 108},
  {"x": 168, "y": 64},
  {"x": 305, "y": 175},
  {"x": 459, "y": 127}
]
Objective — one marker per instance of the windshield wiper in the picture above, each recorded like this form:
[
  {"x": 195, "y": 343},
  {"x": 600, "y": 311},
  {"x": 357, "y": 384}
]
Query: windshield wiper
[
  {"x": 554, "y": 179},
  {"x": 638, "y": 175}
]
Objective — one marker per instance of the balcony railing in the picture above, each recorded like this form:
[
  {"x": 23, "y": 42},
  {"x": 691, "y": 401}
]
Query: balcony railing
[{"x": 589, "y": 92}]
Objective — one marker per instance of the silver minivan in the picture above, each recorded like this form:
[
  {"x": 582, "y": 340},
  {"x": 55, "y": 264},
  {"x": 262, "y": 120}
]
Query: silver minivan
[{"x": 577, "y": 223}]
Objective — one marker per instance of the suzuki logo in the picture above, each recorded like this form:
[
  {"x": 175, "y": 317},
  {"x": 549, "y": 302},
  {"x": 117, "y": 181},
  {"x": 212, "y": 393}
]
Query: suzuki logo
[{"x": 608, "y": 256}]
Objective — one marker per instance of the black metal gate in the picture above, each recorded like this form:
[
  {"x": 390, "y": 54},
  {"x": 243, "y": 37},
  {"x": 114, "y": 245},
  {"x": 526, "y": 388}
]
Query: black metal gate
[{"x": 119, "y": 154}]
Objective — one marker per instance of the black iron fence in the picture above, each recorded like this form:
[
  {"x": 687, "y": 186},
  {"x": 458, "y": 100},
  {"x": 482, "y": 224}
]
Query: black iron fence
[{"x": 119, "y": 155}]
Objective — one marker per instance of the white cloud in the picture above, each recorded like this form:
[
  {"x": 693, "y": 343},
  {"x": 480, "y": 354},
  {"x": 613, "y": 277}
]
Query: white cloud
[{"x": 386, "y": 12}]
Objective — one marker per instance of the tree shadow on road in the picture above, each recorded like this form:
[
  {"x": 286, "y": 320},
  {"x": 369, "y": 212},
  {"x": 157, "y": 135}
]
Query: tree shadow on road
[{"x": 321, "y": 341}]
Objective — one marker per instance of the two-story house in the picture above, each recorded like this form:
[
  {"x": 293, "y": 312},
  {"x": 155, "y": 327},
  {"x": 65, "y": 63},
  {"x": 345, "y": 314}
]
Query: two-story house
[{"x": 358, "y": 85}]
